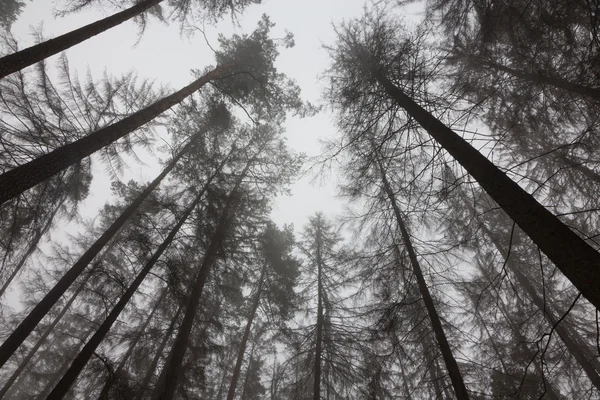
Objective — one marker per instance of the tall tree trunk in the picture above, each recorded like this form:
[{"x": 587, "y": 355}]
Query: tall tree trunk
[
  {"x": 109, "y": 382},
  {"x": 63, "y": 367},
  {"x": 159, "y": 352},
  {"x": 23, "y": 177},
  {"x": 433, "y": 370},
  {"x": 32, "y": 247},
  {"x": 455, "y": 376},
  {"x": 223, "y": 382},
  {"x": 16, "y": 338},
  {"x": 44, "y": 336},
  {"x": 577, "y": 260},
  {"x": 88, "y": 350},
  {"x": 551, "y": 392},
  {"x": 31, "y": 55},
  {"x": 169, "y": 377},
  {"x": 250, "y": 360},
  {"x": 563, "y": 331},
  {"x": 320, "y": 319},
  {"x": 273, "y": 386},
  {"x": 243, "y": 343}
]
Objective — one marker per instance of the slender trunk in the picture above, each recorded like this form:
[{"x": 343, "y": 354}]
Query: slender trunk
[
  {"x": 221, "y": 390},
  {"x": 551, "y": 392},
  {"x": 577, "y": 260},
  {"x": 150, "y": 372},
  {"x": 540, "y": 78},
  {"x": 403, "y": 374},
  {"x": 567, "y": 337},
  {"x": 572, "y": 346},
  {"x": 88, "y": 350},
  {"x": 31, "y": 55},
  {"x": 109, "y": 382},
  {"x": 242, "y": 348},
  {"x": 495, "y": 348},
  {"x": 169, "y": 377},
  {"x": 63, "y": 367},
  {"x": 30, "y": 250},
  {"x": 320, "y": 320},
  {"x": 455, "y": 376},
  {"x": 23, "y": 177},
  {"x": 274, "y": 376},
  {"x": 435, "y": 375},
  {"x": 44, "y": 336},
  {"x": 250, "y": 360},
  {"x": 12, "y": 343}
]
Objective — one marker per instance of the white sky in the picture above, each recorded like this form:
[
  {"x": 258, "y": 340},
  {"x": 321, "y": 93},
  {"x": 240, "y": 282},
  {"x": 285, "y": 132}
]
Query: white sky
[{"x": 167, "y": 57}]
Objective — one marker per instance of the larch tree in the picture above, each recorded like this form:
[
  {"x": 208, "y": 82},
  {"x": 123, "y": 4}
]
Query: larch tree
[
  {"x": 21, "y": 59},
  {"x": 373, "y": 53},
  {"x": 245, "y": 71},
  {"x": 274, "y": 288}
]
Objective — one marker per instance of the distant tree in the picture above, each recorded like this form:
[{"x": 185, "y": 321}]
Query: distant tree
[
  {"x": 275, "y": 287},
  {"x": 272, "y": 167},
  {"x": 320, "y": 341},
  {"x": 9, "y": 12},
  {"x": 88, "y": 350}
]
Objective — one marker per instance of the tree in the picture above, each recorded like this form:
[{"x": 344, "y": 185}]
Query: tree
[
  {"x": 275, "y": 286},
  {"x": 86, "y": 353},
  {"x": 39, "y": 114},
  {"x": 247, "y": 59},
  {"x": 266, "y": 151},
  {"x": 9, "y": 12},
  {"x": 28, "y": 324},
  {"x": 371, "y": 47},
  {"x": 320, "y": 339},
  {"x": 21, "y": 59}
]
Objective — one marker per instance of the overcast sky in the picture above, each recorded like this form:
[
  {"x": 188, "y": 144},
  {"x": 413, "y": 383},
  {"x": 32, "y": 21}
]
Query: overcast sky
[{"x": 164, "y": 55}]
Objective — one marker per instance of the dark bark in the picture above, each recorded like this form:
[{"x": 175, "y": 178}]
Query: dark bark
[
  {"x": 242, "y": 348},
  {"x": 223, "y": 382},
  {"x": 109, "y": 382},
  {"x": 169, "y": 377},
  {"x": 44, "y": 336},
  {"x": 577, "y": 260},
  {"x": 455, "y": 376},
  {"x": 23, "y": 177},
  {"x": 31, "y": 55},
  {"x": 12, "y": 343},
  {"x": 88, "y": 350},
  {"x": 159, "y": 352},
  {"x": 320, "y": 320}
]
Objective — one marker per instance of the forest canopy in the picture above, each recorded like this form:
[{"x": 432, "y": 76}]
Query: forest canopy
[{"x": 148, "y": 248}]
